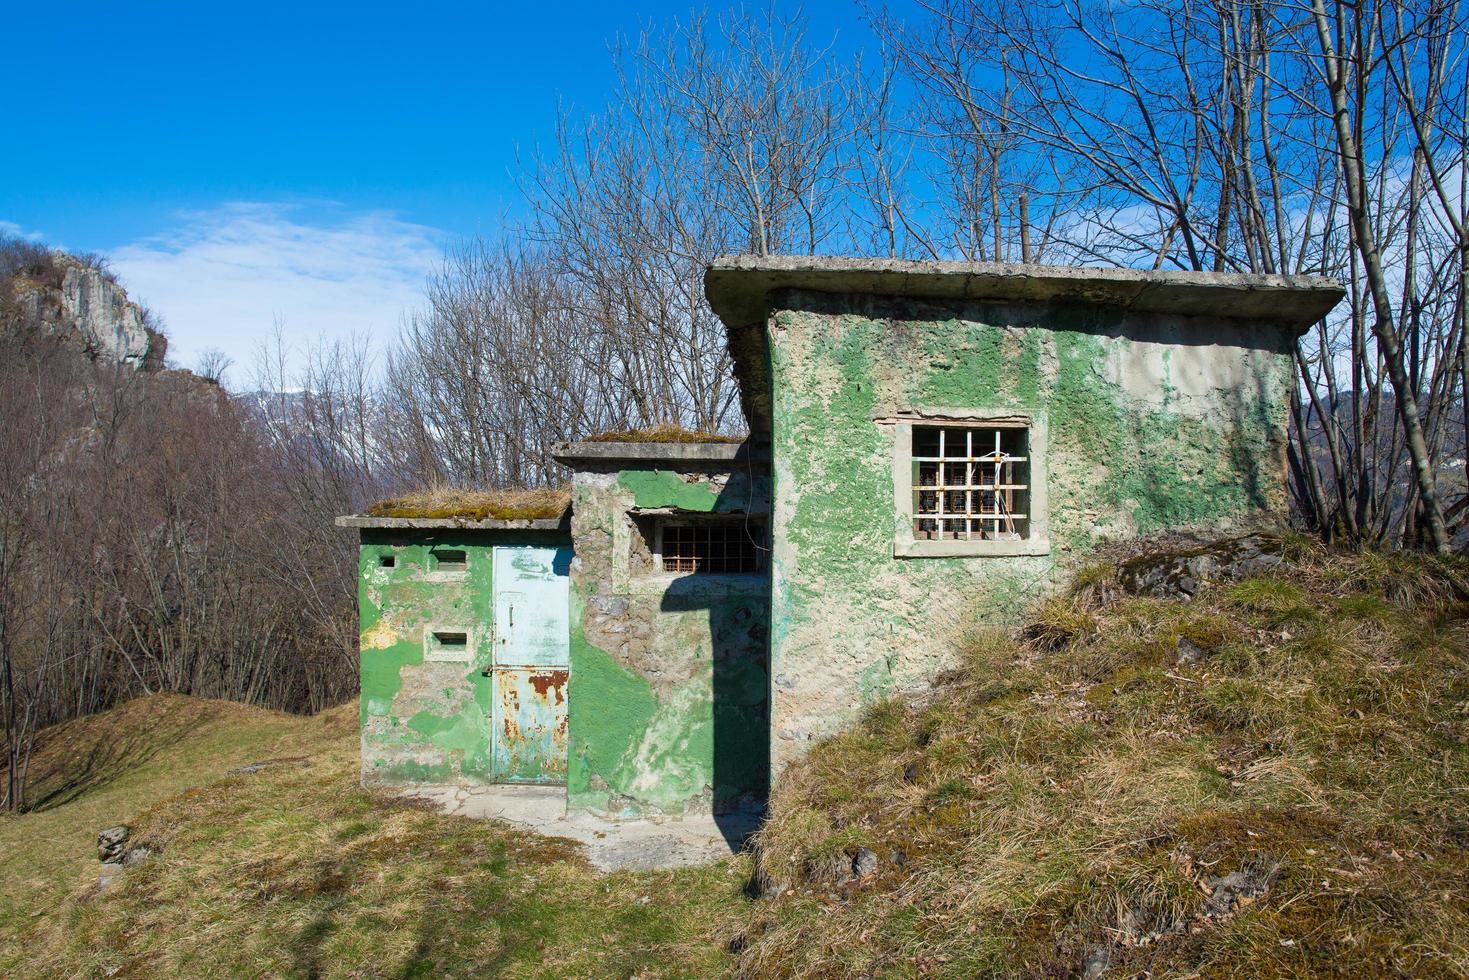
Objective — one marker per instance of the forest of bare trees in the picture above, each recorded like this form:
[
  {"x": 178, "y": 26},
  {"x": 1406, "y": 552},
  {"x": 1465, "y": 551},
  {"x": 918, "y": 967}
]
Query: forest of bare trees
[
  {"x": 1254, "y": 136},
  {"x": 153, "y": 538}
]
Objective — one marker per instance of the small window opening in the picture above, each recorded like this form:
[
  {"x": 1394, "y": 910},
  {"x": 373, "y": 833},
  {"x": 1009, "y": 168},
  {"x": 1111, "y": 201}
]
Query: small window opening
[
  {"x": 713, "y": 547},
  {"x": 388, "y": 561},
  {"x": 451, "y": 560},
  {"x": 446, "y": 645},
  {"x": 971, "y": 483}
]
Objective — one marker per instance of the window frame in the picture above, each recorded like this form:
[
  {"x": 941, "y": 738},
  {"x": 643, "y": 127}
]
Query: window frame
[
  {"x": 907, "y": 545},
  {"x": 439, "y": 571}
]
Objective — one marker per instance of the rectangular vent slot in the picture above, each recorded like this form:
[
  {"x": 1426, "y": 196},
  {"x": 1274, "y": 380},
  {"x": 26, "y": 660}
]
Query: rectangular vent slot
[
  {"x": 447, "y": 645},
  {"x": 451, "y": 560}
]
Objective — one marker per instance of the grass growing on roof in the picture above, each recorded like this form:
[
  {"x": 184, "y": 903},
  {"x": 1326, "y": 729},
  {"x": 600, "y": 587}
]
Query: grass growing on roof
[
  {"x": 1072, "y": 798},
  {"x": 478, "y": 505},
  {"x": 661, "y": 433}
]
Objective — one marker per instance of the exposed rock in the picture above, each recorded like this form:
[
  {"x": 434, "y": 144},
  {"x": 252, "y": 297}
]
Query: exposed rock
[
  {"x": 609, "y": 605},
  {"x": 1190, "y": 652},
  {"x": 1174, "y": 575},
  {"x": 111, "y": 844},
  {"x": 864, "y": 863},
  {"x": 136, "y": 855},
  {"x": 1229, "y": 891},
  {"x": 93, "y": 312}
]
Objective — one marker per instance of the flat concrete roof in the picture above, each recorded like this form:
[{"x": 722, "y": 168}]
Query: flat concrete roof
[
  {"x": 581, "y": 455},
  {"x": 739, "y": 287},
  {"x": 451, "y": 523}
]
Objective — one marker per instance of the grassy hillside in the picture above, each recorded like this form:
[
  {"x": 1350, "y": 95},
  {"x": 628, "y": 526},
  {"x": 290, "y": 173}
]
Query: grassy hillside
[
  {"x": 293, "y": 870},
  {"x": 1270, "y": 780}
]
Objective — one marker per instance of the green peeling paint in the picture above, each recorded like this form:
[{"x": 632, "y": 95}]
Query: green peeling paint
[
  {"x": 426, "y": 721},
  {"x": 850, "y": 622},
  {"x": 662, "y": 488},
  {"x": 669, "y": 687},
  {"x": 610, "y": 708}
]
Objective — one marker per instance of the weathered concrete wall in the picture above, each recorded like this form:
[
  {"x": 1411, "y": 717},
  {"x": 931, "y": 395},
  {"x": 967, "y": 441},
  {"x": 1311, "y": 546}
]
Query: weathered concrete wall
[
  {"x": 1154, "y": 422},
  {"x": 669, "y": 684},
  {"x": 425, "y": 721}
]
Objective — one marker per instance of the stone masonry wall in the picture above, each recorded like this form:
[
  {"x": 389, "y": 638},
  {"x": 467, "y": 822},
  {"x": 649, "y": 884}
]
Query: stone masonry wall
[
  {"x": 668, "y": 689},
  {"x": 1154, "y": 422}
]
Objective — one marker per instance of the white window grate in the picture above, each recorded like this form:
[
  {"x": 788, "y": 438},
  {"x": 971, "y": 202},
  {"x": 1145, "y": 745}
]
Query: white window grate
[{"x": 971, "y": 483}]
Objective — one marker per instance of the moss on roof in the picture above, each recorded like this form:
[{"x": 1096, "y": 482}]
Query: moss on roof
[
  {"x": 479, "y": 505},
  {"x": 661, "y": 433}
]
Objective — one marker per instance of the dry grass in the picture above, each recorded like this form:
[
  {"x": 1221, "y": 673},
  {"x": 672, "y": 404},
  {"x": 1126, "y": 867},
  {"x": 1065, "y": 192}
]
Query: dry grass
[
  {"x": 661, "y": 433},
  {"x": 479, "y": 505},
  {"x": 295, "y": 870},
  {"x": 98, "y": 771},
  {"x": 1071, "y": 798}
]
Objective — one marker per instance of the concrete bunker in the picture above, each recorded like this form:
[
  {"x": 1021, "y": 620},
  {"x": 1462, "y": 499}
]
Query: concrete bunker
[
  {"x": 464, "y": 650},
  {"x": 948, "y": 440},
  {"x": 932, "y": 446},
  {"x": 619, "y": 650}
]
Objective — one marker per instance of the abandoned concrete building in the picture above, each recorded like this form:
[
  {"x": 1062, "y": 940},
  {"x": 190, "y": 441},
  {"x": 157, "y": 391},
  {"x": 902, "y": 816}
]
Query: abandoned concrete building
[{"x": 932, "y": 446}]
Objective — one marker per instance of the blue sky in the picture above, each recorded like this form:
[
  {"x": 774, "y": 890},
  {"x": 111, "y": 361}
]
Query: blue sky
[{"x": 301, "y": 163}]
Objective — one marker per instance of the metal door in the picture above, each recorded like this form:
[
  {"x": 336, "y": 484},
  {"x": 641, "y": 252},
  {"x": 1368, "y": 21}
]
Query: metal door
[{"x": 531, "y": 660}]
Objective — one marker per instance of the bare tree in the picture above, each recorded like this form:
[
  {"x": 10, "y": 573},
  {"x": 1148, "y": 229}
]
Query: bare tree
[
  {"x": 502, "y": 363},
  {"x": 723, "y": 136},
  {"x": 1261, "y": 137}
]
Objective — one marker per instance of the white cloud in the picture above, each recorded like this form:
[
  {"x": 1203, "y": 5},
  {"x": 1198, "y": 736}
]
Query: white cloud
[
  {"x": 223, "y": 278},
  {"x": 16, "y": 231}
]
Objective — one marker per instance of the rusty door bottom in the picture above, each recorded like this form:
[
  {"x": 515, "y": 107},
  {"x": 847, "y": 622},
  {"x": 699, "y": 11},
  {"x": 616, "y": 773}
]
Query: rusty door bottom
[{"x": 530, "y": 720}]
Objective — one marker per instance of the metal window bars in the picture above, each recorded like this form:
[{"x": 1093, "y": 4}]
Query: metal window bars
[
  {"x": 711, "y": 548},
  {"x": 970, "y": 484}
]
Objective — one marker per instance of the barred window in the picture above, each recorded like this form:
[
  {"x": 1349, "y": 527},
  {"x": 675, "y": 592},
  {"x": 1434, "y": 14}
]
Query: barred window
[
  {"x": 712, "y": 547},
  {"x": 971, "y": 483}
]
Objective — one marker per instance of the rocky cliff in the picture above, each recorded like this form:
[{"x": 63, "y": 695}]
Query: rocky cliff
[{"x": 80, "y": 301}]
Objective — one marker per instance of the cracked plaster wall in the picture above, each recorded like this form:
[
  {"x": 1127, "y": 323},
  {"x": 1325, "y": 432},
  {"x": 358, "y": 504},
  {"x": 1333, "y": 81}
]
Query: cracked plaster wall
[
  {"x": 668, "y": 689},
  {"x": 1154, "y": 422}
]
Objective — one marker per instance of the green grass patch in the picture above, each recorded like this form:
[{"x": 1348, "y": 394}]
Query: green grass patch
[
  {"x": 1283, "y": 795},
  {"x": 295, "y": 870}
]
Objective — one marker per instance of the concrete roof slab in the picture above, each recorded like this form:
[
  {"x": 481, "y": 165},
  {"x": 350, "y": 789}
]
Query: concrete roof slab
[
  {"x": 583, "y": 455},
  {"x": 737, "y": 286}
]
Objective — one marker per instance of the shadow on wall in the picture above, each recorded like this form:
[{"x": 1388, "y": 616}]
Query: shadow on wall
[
  {"x": 739, "y": 615},
  {"x": 740, "y": 693}
]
